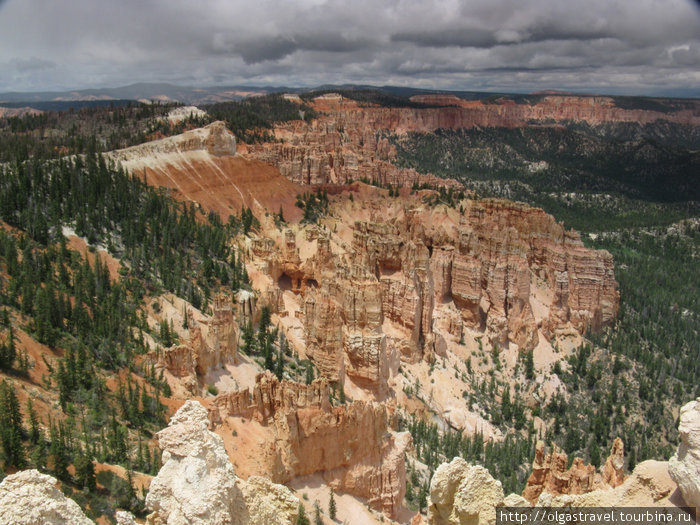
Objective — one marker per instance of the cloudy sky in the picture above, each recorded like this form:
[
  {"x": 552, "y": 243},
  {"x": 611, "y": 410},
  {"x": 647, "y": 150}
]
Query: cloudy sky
[{"x": 623, "y": 46}]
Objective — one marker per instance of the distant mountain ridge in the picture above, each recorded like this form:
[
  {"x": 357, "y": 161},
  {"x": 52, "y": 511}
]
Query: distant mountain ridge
[{"x": 146, "y": 91}]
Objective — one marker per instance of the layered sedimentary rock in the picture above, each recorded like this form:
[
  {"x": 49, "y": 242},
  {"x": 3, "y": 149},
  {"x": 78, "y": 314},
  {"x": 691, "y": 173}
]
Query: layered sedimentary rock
[
  {"x": 351, "y": 444},
  {"x": 349, "y": 141},
  {"x": 31, "y": 498},
  {"x": 214, "y": 139},
  {"x": 684, "y": 466},
  {"x": 343, "y": 320},
  {"x": 431, "y": 272},
  {"x": 337, "y": 148},
  {"x": 217, "y": 344},
  {"x": 551, "y": 475},
  {"x": 197, "y": 483},
  {"x": 202, "y": 166}
]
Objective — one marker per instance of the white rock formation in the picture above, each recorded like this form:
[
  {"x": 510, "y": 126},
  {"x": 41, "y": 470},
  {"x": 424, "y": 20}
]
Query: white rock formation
[
  {"x": 269, "y": 502},
  {"x": 684, "y": 466},
  {"x": 197, "y": 484},
  {"x": 463, "y": 494},
  {"x": 183, "y": 112},
  {"x": 515, "y": 500},
  {"x": 125, "y": 518},
  {"x": 31, "y": 498}
]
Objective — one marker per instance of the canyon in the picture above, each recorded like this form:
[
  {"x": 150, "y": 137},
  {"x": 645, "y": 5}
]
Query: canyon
[{"x": 404, "y": 299}]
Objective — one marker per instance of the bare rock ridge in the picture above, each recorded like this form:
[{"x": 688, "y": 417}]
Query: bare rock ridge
[
  {"x": 201, "y": 165},
  {"x": 197, "y": 483},
  {"x": 349, "y": 141},
  {"x": 351, "y": 445},
  {"x": 550, "y": 473},
  {"x": 684, "y": 466},
  {"x": 214, "y": 139},
  {"x": 32, "y": 498}
]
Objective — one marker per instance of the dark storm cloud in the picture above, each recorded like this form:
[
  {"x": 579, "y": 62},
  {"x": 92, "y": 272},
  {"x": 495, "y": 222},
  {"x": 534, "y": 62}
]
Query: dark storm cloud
[
  {"x": 461, "y": 37},
  {"x": 262, "y": 49},
  {"x": 636, "y": 46}
]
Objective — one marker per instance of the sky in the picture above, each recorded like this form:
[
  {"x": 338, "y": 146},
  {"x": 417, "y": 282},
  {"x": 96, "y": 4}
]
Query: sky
[{"x": 647, "y": 47}]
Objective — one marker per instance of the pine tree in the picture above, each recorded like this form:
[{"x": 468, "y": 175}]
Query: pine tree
[
  {"x": 301, "y": 516},
  {"x": 85, "y": 472},
  {"x": 279, "y": 365},
  {"x": 594, "y": 452},
  {"x": 11, "y": 426},
  {"x": 309, "y": 373},
  {"x": 530, "y": 365},
  {"x": 317, "y": 514},
  {"x": 332, "y": 509},
  {"x": 59, "y": 453},
  {"x": 34, "y": 432}
]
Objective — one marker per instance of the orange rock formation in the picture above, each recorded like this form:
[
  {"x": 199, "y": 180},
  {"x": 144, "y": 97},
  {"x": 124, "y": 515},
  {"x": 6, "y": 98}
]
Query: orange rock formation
[
  {"x": 549, "y": 473},
  {"x": 350, "y": 444},
  {"x": 348, "y": 141},
  {"x": 212, "y": 343}
]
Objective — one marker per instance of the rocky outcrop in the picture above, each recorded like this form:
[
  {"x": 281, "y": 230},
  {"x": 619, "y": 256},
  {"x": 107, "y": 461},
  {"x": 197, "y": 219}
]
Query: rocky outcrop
[
  {"x": 197, "y": 483},
  {"x": 268, "y": 502},
  {"x": 269, "y": 397},
  {"x": 31, "y": 498},
  {"x": 649, "y": 485},
  {"x": 214, "y": 139},
  {"x": 213, "y": 342},
  {"x": 551, "y": 475},
  {"x": 342, "y": 321},
  {"x": 684, "y": 466},
  {"x": 463, "y": 494},
  {"x": 350, "y": 445},
  {"x": 614, "y": 468},
  {"x": 125, "y": 518},
  {"x": 218, "y": 344}
]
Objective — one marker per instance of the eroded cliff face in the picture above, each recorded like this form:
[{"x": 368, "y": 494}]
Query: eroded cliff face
[
  {"x": 202, "y": 166},
  {"x": 345, "y": 143},
  {"x": 348, "y": 141},
  {"x": 197, "y": 483},
  {"x": 212, "y": 342},
  {"x": 300, "y": 433},
  {"x": 409, "y": 276}
]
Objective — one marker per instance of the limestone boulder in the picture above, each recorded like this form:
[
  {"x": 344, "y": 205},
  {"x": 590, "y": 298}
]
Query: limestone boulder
[
  {"x": 684, "y": 466},
  {"x": 463, "y": 494},
  {"x": 31, "y": 498},
  {"x": 196, "y": 484}
]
